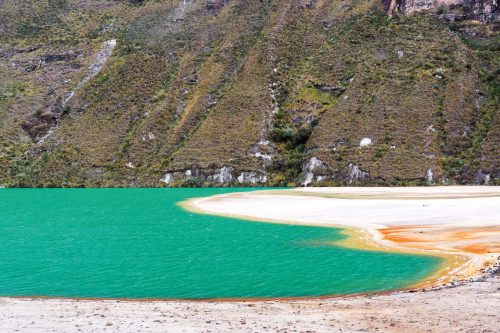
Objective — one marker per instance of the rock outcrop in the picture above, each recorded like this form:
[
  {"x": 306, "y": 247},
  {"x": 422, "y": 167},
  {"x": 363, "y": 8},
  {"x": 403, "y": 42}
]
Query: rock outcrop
[
  {"x": 225, "y": 175},
  {"x": 356, "y": 175},
  {"x": 482, "y": 177},
  {"x": 314, "y": 171},
  {"x": 484, "y": 10}
]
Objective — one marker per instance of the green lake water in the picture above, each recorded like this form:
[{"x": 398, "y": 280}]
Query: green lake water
[{"x": 138, "y": 243}]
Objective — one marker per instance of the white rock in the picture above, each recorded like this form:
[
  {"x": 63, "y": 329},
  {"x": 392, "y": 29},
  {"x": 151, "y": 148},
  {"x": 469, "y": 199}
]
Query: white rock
[
  {"x": 252, "y": 177},
  {"x": 309, "y": 171},
  {"x": 429, "y": 176},
  {"x": 168, "y": 178},
  {"x": 365, "y": 142},
  {"x": 355, "y": 173},
  {"x": 241, "y": 178},
  {"x": 223, "y": 176},
  {"x": 263, "y": 156},
  {"x": 309, "y": 179},
  {"x": 46, "y": 136}
]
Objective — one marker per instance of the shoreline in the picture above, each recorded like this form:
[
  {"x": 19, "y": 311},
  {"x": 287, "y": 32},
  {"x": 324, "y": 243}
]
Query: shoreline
[
  {"x": 469, "y": 307},
  {"x": 357, "y": 238},
  {"x": 458, "y": 265}
]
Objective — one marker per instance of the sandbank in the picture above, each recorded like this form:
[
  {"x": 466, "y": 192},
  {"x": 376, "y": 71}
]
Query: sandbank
[{"x": 458, "y": 223}]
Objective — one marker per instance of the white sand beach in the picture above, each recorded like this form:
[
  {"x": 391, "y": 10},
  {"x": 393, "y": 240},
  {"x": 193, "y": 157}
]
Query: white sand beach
[{"x": 363, "y": 207}]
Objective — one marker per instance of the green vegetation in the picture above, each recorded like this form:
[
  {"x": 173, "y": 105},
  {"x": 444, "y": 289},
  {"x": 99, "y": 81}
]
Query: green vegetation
[{"x": 259, "y": 86}]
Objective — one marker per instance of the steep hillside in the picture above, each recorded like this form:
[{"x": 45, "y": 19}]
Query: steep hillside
[{"x": 217, "y": 92}]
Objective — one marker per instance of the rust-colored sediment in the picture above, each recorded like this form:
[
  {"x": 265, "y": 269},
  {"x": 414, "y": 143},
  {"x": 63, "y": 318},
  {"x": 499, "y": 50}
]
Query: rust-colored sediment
[
  {"x": 468, "y": 251},
  {"x": 482, "y": 248}
]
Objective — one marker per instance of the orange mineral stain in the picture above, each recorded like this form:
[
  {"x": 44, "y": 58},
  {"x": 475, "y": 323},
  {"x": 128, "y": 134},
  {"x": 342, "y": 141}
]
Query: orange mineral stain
[{"x": 401, "y": 234}]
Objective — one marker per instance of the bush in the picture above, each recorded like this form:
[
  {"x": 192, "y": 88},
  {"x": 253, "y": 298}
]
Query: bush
[{"x": 281, "y": 134}]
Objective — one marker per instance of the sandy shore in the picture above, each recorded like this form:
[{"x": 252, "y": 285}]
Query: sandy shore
[
  {"x": 467, "y": 308},
  {"x": 461, "y": 224}
]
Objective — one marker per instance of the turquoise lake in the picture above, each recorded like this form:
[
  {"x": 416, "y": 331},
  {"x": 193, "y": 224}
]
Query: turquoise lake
[{"x": 138, "y": 243}]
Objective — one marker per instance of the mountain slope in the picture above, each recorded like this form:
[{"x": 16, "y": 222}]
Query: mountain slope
[{"x": 191, "y": 92}]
